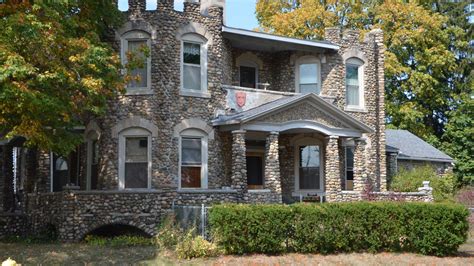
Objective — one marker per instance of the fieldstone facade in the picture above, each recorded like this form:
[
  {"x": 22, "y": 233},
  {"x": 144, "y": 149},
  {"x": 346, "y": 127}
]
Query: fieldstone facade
[{"x": 224, "y": 117}]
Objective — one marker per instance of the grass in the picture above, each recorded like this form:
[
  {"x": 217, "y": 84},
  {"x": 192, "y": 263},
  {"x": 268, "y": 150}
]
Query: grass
[{"x": 84, "y": 254}]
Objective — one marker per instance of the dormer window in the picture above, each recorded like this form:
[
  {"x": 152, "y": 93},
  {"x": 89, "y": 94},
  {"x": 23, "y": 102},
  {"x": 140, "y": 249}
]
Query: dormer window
[
  {"x": 193, "y": 65},
  {"x": 308, "y": 78},
  {"x": 135, "y": 43},
  {"x": 354, "y": 83}
]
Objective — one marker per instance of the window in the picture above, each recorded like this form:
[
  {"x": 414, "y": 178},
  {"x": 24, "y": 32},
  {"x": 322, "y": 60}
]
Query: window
[
  {"x": 135, "y": 43},
  {"x": 248, "y": 77},
  {"x": 65, "y": 170},
  {"x": 354, "y": 85},
  {"x": 193, "y": 65},
  {"x": 134, "y": 159},
  {"x": 349, "y": 184},
  {"x": 92, "y": 160},
  {"x": 308, "y": 75},
  {"x": 193, "y": 159},
  {"x": 136, "y": 162}
]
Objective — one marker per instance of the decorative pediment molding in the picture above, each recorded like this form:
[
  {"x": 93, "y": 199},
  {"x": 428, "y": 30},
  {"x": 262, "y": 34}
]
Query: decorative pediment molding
[{"x": 303, "y": 111}]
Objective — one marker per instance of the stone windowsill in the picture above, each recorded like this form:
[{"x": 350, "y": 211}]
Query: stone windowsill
[
  {"x": 350, "y": 192},
  {"x": 194, "y": 94},
  {"x": 305, "y": 193},
  {"x": 259, "y": 190},
  {"x": 139, "y": 91},
  {"x": 355, "y": 109},
  {"x": 203, "y": 191}
]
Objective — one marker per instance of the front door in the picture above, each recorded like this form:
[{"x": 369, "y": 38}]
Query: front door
[{"x": 255, "y": 171}]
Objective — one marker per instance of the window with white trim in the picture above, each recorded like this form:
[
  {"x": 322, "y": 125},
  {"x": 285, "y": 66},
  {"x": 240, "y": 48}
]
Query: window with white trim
[
  {"x": 354, "y": 83},
  {"x": 308, "y": 75},
  {"x": 349, "y": 175},
  {"x": 193, "y": 64},
  {"x": 193, "y": 159},
  {"x": 135, "y": 159},
  {"x": 137, "y": 44}
]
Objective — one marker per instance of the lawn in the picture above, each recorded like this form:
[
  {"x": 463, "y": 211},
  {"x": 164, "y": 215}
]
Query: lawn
[{"x": 83, "y": 254}]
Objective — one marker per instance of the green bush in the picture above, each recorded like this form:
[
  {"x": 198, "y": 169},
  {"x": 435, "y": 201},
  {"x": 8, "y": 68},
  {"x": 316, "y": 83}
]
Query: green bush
[
  {"x": 426, "y": 228},
  {"x": 119, "y": 241},
  {"x": 240, "y": 229},
  {"x": 192, "y": 246},
  {"x": 169, "y": 233},
  {"x": 411, "y": 180}
]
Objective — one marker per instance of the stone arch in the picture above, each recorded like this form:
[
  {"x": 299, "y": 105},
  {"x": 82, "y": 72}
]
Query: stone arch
[
  {"x": 134, "y": 121},
  {"x": 196, "y": 28},
  {"x": 193, "y": 123},
  {"x": 354, "y": 53},
  {"x": 115, "y": 222},
  {"x": 136, "y": 25},
  {"x": 249, "y": 57}
]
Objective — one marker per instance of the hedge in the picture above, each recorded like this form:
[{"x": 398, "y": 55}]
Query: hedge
[{"x": 426, "y": 228}]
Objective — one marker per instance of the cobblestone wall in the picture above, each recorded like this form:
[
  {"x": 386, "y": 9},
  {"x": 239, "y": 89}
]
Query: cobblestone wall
[{"x": 12, "y": 224}]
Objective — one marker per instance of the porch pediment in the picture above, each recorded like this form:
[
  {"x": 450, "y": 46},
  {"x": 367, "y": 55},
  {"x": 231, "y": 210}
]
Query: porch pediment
[
  {"x": 306, "y": 111},
  {"x": 303, "y": 111}
]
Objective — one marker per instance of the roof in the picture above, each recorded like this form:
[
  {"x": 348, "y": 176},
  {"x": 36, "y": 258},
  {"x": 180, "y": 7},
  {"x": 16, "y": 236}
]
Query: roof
[
  {"x": 411, "y": 147},
  {"x": 264, "y": 41},
  {"x": 278, "y": 104}
]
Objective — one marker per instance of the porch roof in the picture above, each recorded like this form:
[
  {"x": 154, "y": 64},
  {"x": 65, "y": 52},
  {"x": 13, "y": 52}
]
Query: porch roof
[
  {"x": 248, "y": 119},
  {"x": 247, "y": 39}
]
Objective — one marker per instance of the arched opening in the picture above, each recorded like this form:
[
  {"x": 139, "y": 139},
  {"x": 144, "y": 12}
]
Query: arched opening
[{"x": 114, "y": 230}]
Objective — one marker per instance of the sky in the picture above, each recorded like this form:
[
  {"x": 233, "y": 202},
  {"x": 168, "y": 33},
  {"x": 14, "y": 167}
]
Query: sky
[{"x": 239, "y": 13}]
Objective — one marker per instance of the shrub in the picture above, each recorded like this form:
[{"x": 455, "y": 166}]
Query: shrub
[
  {"x": 411, "y": 180},
  {"x": 240, "y": 229},
  {"x": 192, "y": 246},
  {"x": 169, "y": 233},
  {"x": 119, "y": 241},
  {"x": 425, "y": 228}
]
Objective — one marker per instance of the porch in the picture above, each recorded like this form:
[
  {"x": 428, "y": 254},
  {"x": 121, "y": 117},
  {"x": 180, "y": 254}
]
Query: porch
[{"x": 296, "y": 147}]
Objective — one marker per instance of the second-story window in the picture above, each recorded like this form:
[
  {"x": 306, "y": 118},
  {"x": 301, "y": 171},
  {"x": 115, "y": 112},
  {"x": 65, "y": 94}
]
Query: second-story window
[
  {"x": 308, "y": 75},
  {"x": 193, "y": 64},
  {"x": 248, "y": 76},
  {"x": 136, "y": 45},
  {"x": 354, "y": 83}
]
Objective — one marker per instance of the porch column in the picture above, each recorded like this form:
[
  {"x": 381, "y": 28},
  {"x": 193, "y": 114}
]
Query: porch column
[
  {"x": 360, "y": 174},
  {"x": 272, "y": 166},
  {"x": 239, "y": 161},
  {"x": 332, "y": 170}
]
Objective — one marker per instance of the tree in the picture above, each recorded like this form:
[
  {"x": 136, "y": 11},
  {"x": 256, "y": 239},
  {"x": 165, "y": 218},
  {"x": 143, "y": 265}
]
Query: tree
[
  {"x": 458, "y": 140},
  {"x": 418, "y": 56},
  {"x": 56, "y": 69}
]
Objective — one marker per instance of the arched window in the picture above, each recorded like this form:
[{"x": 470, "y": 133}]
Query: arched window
[
  {"x": 193, "y": 159},
  {"x": 136, "y": 43},
  {"x": 354, "y": 83},
  {"x": 308, "y": 75},
  {"x": 135, "y": 158},
  {"x": 193, "y": 65}
]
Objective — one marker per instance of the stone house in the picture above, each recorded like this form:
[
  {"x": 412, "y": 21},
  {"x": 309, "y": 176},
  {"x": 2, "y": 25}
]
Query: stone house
[
  {"x": 218, "y": 114},
  {"x": 407, "y": 151}
]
